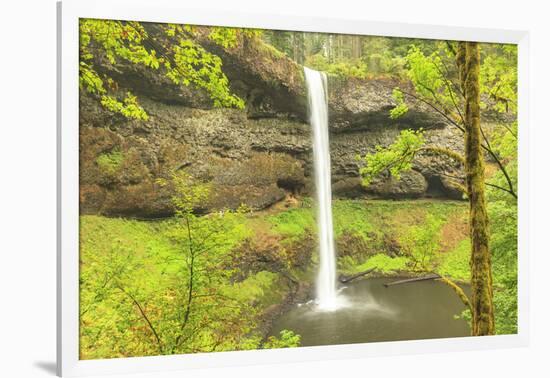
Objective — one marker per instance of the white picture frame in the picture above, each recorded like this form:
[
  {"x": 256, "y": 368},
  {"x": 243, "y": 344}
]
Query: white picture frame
[{"x": 69, "y": 12}]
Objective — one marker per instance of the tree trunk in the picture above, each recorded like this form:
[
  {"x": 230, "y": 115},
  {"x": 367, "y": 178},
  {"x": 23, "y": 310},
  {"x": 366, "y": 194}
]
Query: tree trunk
[
  {"x": 298, "y": 47},
  {"x": 480, "y": 260},
  {"x": 330, "y": 48},
  {"x": 346, "y": 279},
  {"x": 356, "y": 47}
]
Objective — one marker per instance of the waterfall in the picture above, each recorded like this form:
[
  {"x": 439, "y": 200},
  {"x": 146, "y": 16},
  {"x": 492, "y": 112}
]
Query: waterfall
[{"x": 318, "y": 108}]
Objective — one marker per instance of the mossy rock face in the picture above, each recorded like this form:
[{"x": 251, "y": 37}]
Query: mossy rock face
[
  {"x": 354, "y": 246},
  {"x": 119, "y": 175},
  {"x": 256, "y": 156},
  {"x": 272, "y": 82},
  {"x": 265, "y": 251},
  {"x": 257, "y": 182},
  {"x": 253, "y": 197}
]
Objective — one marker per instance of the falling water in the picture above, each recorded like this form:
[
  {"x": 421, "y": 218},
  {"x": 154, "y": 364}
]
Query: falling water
[{"x": 318, "y": 108}]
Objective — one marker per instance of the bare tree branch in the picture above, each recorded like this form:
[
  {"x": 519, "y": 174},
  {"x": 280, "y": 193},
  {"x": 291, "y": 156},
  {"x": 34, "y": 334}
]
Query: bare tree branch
[{"x": 145, "y": 317}]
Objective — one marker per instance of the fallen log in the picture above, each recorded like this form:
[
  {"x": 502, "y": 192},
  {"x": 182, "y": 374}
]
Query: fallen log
[
  {"x": 344, "y": 279},
  {"x": 425, "y": 278}
]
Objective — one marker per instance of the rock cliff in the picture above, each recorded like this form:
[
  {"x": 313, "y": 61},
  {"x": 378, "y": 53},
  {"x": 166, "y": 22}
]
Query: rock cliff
[{"x": 255, "y": 156}]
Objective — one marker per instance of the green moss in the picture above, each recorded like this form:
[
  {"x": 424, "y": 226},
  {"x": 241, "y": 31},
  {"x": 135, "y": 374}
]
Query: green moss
[
  {"x": 99, "y": 234},
  {"x": 263, "y": 288},
  {"x": 102, "y": 239},
  {"x": 354, "y": 217},
  {"x": 110, "y": 162},
  {"x": 381, "y": 227},
  {"x": 293, "y": 223},
  {"x": 270, "y": 49},
  {"x": 455, "y": 264}
]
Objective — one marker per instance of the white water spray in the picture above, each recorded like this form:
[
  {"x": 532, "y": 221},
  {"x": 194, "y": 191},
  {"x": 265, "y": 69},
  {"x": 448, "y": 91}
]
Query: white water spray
[{"x": 318, "y": 108}]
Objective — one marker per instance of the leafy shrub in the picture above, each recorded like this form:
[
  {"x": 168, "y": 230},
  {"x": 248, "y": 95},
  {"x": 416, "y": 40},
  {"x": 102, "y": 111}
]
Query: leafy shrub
[{"x": 288, "y": 339}]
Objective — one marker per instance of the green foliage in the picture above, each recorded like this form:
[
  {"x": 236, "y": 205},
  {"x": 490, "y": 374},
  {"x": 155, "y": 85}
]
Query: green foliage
[
  {"x": 128, "y": 107},
  {"x": 182, "y": 60},
  {"x": 504, "y": 141},
  {"x": 357, "y": 68},
  {"x": 394, "y": 159},
  {"x": 354, "y": 218},
  {"x": 271, "y": 50},
  {"x": 117, "y": 40},
  {"x": 503, "y": 217},
  {"x": 109, "y": 163},
  {"x": 255, "y": 288},
  {"x": 347, "y": 55},
  {"x": 292, "y": 43},
  {"x": 280, "y": 40},
  {"x": 165, "y": 287},
  {"x": 192, "y": 64},
  {"x": 190, "y": 193},
  {"x": 127, "y": 260},
  {"x": 504, "y": 249},
  {"x": 399, "y": 236},
  {"x": 381, "y": 226},
  {"x": 294, "y": 223},
  {"x": 113, "y": 254},
  {"x": 401, "y": 107},
  {"x": 426, "y": 72},
  {"x": 384, "y": 264},
  {"x": 455, "y": 264},
  {"x": 505, "y": 300},
  {"x": 435, "y": 79},
  {"x": 89, "y": 79},
  {"x": 229, "y": 37},
  {"x": 225, "y": 37},
  {"x": 421, "y": 244},
  {"x": 388, "y": 56},
  {"x": 150, "y": 262},
  {"x": 360, "y": 218},
  {"x": 287, "y": 339},
  {"x": 499, "y": 77},
  {"x": 432, "y": 79}
]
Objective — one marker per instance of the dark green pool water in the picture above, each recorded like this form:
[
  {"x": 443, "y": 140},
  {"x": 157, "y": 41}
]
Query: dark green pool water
[{"x": 372, "y": 312}]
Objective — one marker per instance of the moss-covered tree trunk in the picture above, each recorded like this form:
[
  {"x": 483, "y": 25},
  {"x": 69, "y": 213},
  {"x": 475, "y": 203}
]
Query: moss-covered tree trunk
[{"x": 480, "y": 262}]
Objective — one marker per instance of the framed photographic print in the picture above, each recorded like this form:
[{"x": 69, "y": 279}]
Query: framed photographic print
[{"x": 252, "y": 188}]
